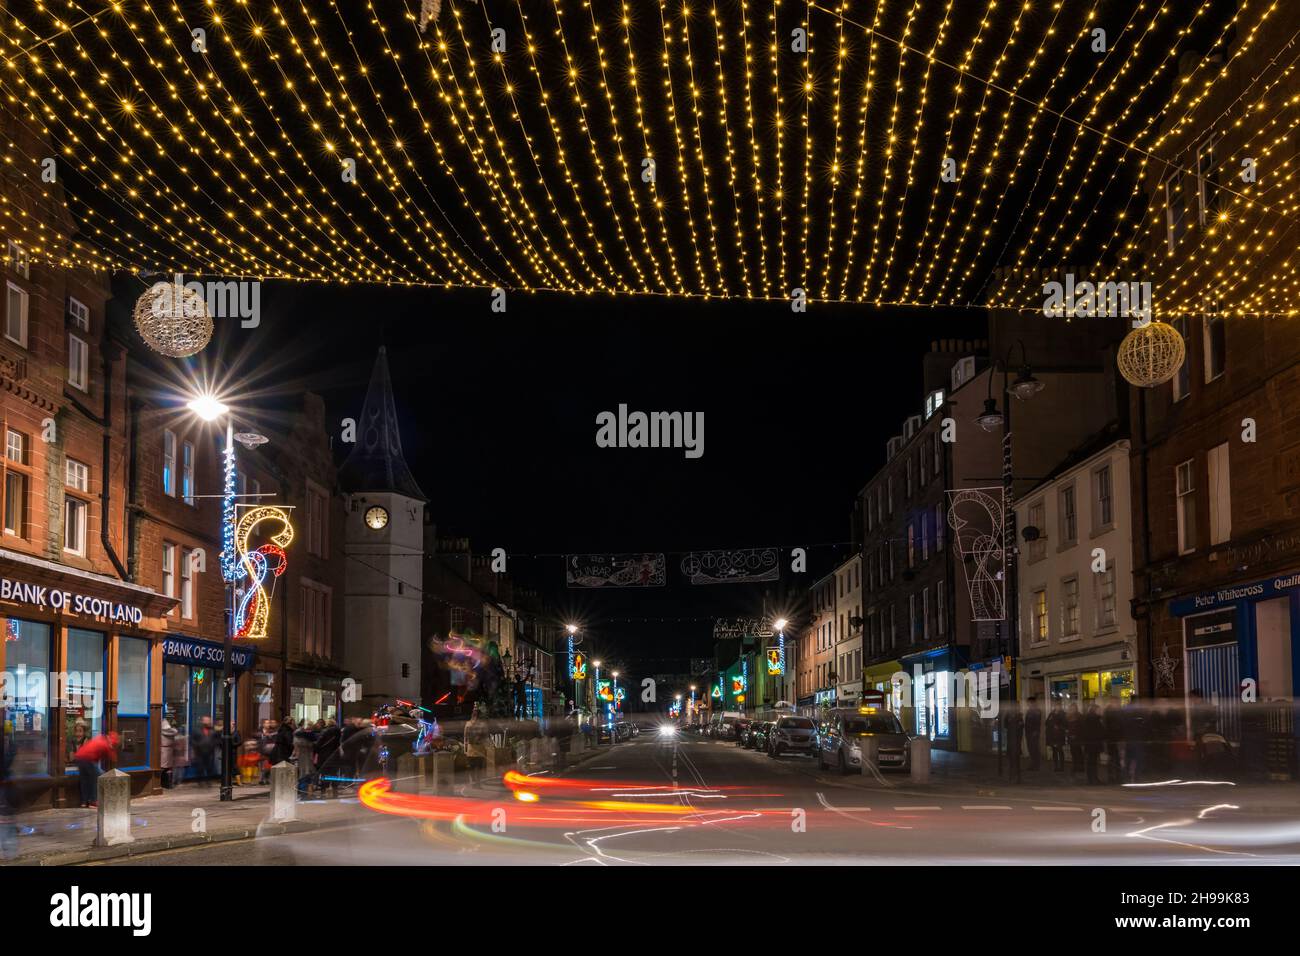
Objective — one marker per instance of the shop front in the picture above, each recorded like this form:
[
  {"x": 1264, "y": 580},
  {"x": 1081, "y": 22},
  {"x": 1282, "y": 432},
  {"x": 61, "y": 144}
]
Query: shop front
[
  {"x": 191, "y": 691},
  {"x": 77, "y": 660},
  {"x": 313, "y": 696},
  {"x": 1234, "y": 633},
  {"x": 1082, "y": 677},
  {"x": 931, "y": 679},
  {"x": 880, "y": 677}
]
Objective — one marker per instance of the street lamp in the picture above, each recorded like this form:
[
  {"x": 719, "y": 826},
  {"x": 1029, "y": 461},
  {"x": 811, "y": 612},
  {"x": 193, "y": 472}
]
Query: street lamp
[
  {"x": 1025, "y": 387},
  {"x": 209, "y": 408}
]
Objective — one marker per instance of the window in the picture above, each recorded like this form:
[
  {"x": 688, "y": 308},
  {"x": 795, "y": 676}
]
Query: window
[
  {"x": 907, "y": 483},
  {"x": 78, "y": 314},
  {"x": 889, "y": 487},
  {"x": 1220, "y": 494},
  {"x": 78, "y": 475},
  {"x": 16, "y": 258},
  {"x": 925, "y": 535},
  {"x": 913, "y": 622},
  {"x": 314, "y": 621},
  {"x": 28, "y": 709},
  {"x": 869, "y": 515},
  {"x": 911, "y": 545},
  {"x": 1069, "y": 517},
  {"x": 74, "y": 525},
  {"x": 1185, "y": 487},
  {"x": 77, "y": 362},
  {"x": 169, "y": 463},
  {"x": 16, "y": 314},
  {"x": 1175, "y": 211},
  {"x": 1182, "y": 379},
  {"x": 1207, "y": 181},
  {"x": 15, "y": 503},
  {"x": 1106, "y": 597},
  {"x": 1039, "y": 633},
  {"x": 938, "y": 528},
  {"x": 15, "y": 447},
  {"x": 1214, "y": 342},
  {"x": 187, "y": 584},
  {"x": 1070, "y": 607},
  {"x": 1104, "y": 506},
  {"x": 923, "y": 469},
  {"x": 939, "y": 612},
  {"x": 925, "y": 614},
  {"x": 938, "y": 453},
  {"x": 187, "y": 473},
  {"x": 893, "y": 628},
  {"x": 890, "y": 549},
  {"x": 169, "y": 569}
]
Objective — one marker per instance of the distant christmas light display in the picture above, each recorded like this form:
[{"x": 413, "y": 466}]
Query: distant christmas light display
[{"x": 254, "y": 607}]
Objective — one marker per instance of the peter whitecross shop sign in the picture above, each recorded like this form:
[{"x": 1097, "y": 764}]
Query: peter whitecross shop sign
[{"x": 69, "y": 602}]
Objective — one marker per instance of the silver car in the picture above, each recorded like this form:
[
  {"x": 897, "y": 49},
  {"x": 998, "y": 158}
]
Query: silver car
[
  {"x": 840, "y": 735},
  {"x": 792, "y": 735}
]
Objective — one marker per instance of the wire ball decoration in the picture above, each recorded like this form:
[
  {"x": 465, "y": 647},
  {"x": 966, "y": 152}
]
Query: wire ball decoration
[
  {"x": 1151, "y": 354},
  {"x": 173, "y": 319}
]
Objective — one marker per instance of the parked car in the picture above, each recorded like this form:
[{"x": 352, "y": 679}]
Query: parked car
[
  {"x": 840, "y": 735},
  {"x": 792, "y": 735},
  {"x": 744, "y": 727},
  {"x": 760, "y": 733}
]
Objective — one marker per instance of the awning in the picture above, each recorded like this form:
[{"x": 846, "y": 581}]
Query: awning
[{"x": 881, "y": 672}]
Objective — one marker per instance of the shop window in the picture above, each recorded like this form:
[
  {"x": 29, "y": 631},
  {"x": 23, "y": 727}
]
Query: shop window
[
  {"x": 133, "y": 702},
  {"x": 83, "y": 693},
  {"x": 27, "y": 665},
  {"x": 264, "y": 695}
]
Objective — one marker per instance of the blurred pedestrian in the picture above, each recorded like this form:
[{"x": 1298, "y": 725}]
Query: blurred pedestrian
[
  {"x": 1136, "y": 736},
  {"x": 204, "y": 744},
  {"x": 80, "y": 734},
  {"x": 1074, "y": 735},
  {"x": 1013, "y": 724},
  {"x": 1112, "y": 721},
  {"x": 265, "y": 747},
  {"x": 1057, "y": 724},
  {"x": 1033, "y": 733},
  {"x": 325, "y": 751},
  {"x": 477, "y": 734},
  {"x": 91, "y": 758},
  {"x": 1094, "y": 741}
]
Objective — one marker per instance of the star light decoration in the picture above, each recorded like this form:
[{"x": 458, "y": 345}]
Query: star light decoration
[
  {"x": 172, "y": 318},
  {"x": 666, "y": 148},
  {"x": 1151, "y": 354},
  {"x": 1164, "y": 667}
]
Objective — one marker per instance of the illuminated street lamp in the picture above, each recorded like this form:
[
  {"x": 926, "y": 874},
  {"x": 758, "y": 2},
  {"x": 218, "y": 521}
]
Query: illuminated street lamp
[{"x": 209, "y": 408}]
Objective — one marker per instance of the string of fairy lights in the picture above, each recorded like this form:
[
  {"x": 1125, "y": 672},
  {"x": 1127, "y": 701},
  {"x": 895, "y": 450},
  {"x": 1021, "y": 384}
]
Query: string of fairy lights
[{"x": 881, "y": 152}]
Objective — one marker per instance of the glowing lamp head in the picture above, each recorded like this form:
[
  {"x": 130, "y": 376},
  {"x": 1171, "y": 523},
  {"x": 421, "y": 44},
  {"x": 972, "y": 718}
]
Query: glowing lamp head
[
  {"x": 780, "y": 623},
  {"x": 571, "y": 628},
  {"x": 208, "y": 407}
]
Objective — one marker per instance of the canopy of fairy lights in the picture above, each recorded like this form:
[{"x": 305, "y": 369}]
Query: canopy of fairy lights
[{"x": 886, "y": 152}]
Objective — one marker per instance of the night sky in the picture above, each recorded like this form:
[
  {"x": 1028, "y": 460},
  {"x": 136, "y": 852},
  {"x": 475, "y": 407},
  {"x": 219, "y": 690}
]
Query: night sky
[{"x": 498, "y": 423}]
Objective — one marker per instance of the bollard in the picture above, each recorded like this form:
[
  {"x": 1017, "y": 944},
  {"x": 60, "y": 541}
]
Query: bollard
[
  {"x": 577, "y": 745},
  {"x": 444, "y": 771},
  {"x": 870, "y": 748},
  {"x": 499, "y": 759},
  {"x": 408, "y": 774},
  {"x": 284, "y": 793},
  {"x": 114, "y": 797},
  {"x": 538, "y": 752},
  {"x": 919, "y": 759}
]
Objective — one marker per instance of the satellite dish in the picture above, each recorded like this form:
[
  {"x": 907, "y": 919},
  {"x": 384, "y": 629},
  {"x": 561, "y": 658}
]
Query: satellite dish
[{"x": 250, "y": 440}]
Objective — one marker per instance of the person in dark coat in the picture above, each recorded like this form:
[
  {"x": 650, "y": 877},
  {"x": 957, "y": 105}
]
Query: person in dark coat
[
  {"x": 283, "y": 742},
  {"x": 1112, "y": 722},
  {"x": 1056, "y": 735},
  {"x": 204, "y": 744},
  {"x": 1136, "y": 736},
  {"x": 324, "y": 750},
  {"x": 1074, "y": 735},
  {"x": 1094, "y": 741},
  {"x": 1034, "y": 733}
]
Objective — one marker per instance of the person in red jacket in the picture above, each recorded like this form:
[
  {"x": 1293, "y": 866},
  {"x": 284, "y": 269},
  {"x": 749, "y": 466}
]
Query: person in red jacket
[{"x": 90, "y": 759}]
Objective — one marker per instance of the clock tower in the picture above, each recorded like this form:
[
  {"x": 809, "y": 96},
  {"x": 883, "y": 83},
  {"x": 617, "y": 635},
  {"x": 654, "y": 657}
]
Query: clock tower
[{"x": 384, "y": 544}]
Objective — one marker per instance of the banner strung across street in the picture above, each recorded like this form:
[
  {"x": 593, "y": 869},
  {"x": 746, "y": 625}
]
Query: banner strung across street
[
  {"x": 739, "y": 566},
  {"x": 615, "y": 570},
  {"x": 725, "y": 628}
]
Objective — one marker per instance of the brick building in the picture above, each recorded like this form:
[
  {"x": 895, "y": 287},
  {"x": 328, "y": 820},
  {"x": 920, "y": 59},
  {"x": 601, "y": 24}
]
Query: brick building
[
  {"x": 81, "y": 635},
  {"x": 1216, "y": 451}
]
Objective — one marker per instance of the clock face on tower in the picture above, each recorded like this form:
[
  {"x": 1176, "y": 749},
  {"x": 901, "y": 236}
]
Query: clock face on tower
[{"x": 376, "y": 517}]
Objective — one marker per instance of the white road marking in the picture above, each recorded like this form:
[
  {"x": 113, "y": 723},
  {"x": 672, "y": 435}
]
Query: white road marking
[
  {"x": 918, "y": 808},
  {"x": 983, "y": 807},
  {"x": 1060, "y": 809}
]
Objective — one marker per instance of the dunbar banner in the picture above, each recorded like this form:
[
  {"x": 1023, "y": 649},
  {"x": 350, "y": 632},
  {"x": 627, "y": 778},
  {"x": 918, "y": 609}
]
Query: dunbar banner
[
  {"x": 615, "y": 570},
  {"x": 740, "y": 566}
]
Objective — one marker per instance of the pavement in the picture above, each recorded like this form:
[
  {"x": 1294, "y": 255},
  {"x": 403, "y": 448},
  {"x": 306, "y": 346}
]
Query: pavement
[{"x": 689, "y": 801}]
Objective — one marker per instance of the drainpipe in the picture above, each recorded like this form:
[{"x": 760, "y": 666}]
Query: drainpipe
[{"x": 106, "y": 352}]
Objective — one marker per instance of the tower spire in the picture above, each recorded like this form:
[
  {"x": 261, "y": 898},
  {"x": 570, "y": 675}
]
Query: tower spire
[{"x": 376, "y": 462}]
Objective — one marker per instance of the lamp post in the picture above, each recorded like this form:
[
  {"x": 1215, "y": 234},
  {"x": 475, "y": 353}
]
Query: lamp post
[
  {"x": 1023, "y": 388},
  {"x": 692, "y": 708},
  {"x": 595, "y": 690},
  {"x": 613, "y": 710},
  {"x": 209, "y": 409}
]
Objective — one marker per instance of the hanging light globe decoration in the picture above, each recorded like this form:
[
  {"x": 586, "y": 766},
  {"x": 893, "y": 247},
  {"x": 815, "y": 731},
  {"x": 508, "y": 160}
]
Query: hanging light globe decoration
[
  {"x": 1151, "y": 354},
  {"x": 173, "y": 319}
]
